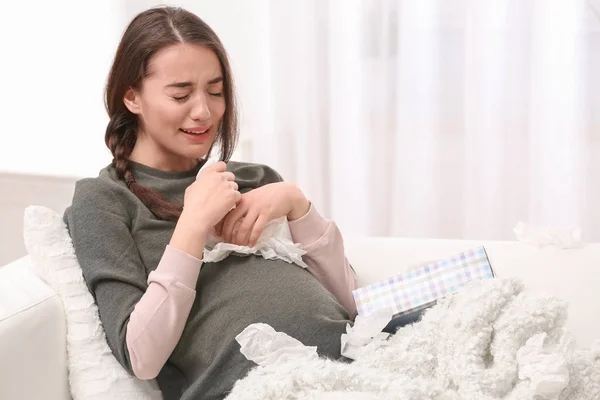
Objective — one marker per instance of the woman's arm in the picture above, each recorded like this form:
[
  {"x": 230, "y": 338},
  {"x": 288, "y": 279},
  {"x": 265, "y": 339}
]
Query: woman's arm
[
  {"x": 133, "y": 307},
  {"x": 157, "y": 321},
  {"x": 144, "y": 317},
  {"x": 324, "y": 246}
]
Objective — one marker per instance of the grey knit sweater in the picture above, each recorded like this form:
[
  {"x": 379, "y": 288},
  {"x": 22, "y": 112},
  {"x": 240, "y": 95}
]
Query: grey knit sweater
[{"x": 118, "y": 242}]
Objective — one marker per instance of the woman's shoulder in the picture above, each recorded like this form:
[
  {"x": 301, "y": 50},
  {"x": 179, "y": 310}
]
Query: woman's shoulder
[
  {"x": 105, "y": 192},
  {"x": 251, "y": 175}
]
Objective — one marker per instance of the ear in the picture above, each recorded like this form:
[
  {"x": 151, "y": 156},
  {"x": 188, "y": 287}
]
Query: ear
[{"x": 132, "y": 101}]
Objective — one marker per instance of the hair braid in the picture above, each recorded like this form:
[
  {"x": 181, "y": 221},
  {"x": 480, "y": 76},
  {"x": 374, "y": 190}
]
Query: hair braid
[{"x": 120, "y": 139}]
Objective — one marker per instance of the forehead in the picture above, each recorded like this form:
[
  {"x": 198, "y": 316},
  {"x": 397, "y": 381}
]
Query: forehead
[{"x": 184, "y": 62}]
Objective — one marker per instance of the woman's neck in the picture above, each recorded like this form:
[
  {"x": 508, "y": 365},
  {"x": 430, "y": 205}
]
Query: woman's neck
[{"x": 147, "y": 154}]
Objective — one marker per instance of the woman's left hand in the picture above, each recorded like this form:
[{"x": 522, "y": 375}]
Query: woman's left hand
[{"x": 244, "y": 224}]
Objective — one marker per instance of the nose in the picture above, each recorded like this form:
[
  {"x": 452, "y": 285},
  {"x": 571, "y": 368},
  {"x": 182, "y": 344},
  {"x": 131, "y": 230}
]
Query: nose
[{"x": 200, "y": 110}]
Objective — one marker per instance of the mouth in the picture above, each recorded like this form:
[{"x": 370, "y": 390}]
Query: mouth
[{"x": 196, "y": 131}]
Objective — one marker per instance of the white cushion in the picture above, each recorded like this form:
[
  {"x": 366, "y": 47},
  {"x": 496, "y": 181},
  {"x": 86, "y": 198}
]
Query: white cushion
[
  {"x": 33, "y": 353},
  {"x": 94, "y": 373}
]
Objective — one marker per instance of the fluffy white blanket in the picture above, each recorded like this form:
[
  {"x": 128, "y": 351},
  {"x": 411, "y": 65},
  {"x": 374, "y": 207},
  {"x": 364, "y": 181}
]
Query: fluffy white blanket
[{"x": 493, "y": 340}]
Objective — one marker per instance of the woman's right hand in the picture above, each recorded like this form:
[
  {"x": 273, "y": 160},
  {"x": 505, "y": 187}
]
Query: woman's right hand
[
  {"x": 205, "y": 204},
  {"x": 211, "y": 197}
]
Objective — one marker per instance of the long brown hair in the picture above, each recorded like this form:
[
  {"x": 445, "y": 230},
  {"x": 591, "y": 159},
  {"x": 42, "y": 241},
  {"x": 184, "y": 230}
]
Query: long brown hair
[{"x": 149, "y": 32}]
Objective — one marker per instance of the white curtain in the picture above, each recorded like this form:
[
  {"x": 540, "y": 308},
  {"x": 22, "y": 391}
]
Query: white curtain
[
  {"x": 422, "y": 118},
  {"x": 436, "y": 118}
]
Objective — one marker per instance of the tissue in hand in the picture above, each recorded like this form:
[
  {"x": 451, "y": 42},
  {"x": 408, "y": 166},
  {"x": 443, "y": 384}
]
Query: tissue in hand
[{"x": 275, "y": 241}]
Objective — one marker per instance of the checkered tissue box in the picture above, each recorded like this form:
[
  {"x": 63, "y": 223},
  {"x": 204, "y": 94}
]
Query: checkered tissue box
[{"x": 421, "y": 286}]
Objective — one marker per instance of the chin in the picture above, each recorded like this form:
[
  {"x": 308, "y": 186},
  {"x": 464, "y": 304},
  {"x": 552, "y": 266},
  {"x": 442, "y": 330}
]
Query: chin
[
  {"x": 195, "y": 148},
  {"x": 195, "y": 152},
  {"x": 194, "y": 155}
]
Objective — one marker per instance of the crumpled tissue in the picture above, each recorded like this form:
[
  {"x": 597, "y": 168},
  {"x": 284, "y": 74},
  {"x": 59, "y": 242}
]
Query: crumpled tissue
[
  {"x": 565, "y": 238},
  {"x": 545, "y": 367},
  {"x": 274, "y": 242},
  {"x": 263, "y": 345},
  {"x": 366, "y": 334}
]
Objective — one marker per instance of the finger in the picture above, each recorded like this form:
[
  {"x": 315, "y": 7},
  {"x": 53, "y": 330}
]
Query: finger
[
  {"x": 235, "y": 229},
  {"x": 227, "y": 226},
  {"x": 257, "y": 229},
  {"x": 238, "y": 197},
  {"x": 219, "y": 166},
  {"x": 244, "y": 230},
  {"x": 228, "y": 176},
  {"x": 219, "y": 228},
  {"x": 230, "y": 221},
  {"x": 234, "y": 186}
]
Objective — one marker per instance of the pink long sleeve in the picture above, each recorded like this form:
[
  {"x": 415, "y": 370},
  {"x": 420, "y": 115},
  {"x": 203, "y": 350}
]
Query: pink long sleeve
[
  {"x": 324, "y": 246},
  {"x": 157, "y": 321}
]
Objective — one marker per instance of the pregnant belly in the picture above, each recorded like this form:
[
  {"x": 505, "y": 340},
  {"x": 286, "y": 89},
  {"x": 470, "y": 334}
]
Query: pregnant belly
[{"x": 239, "y": 291}]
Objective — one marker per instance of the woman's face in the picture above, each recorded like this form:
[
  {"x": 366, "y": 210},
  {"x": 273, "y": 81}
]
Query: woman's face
[{"x": 179, "y": 105}]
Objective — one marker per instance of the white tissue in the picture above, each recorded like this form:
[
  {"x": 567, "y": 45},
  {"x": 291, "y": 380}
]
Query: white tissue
[
  {"x": 366, "y": 334},
  {"x": 265, "y": 346},
  {"x": 565, "y": 238},
  {"x": 210, "y": 161},
  {"x": 274, "y": 242},
  {"x": 546, "y": 368}
]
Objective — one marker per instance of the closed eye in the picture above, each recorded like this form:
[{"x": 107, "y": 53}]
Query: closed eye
[{"x": 180, "y": 98}]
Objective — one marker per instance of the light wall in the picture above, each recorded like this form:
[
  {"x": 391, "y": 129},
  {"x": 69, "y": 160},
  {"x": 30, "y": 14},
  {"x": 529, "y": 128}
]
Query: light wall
[
  {"x": 52, "y": 73},
  {"x": 58, "y": 56},
  {"x": 20, "y": 191},
  {"x": 53, "y": 70}
]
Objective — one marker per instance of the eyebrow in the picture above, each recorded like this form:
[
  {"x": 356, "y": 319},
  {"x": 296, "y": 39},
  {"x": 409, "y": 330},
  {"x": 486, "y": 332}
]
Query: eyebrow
[
  {"x": 188, "y": 84},
  {"x": 218, "y": 79}
]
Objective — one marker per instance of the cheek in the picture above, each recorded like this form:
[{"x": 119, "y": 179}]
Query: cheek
[
  {"x": 164, "y": 113},
  {"x": 217, "y": 108}
]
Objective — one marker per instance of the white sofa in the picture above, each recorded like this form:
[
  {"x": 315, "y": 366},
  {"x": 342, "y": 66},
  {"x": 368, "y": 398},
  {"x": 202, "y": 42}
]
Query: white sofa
[{"x": 33, "y": 328}]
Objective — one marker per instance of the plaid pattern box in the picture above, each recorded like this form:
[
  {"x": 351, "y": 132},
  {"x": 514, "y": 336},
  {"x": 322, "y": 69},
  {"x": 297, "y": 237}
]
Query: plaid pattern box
[{"x": 421, "y": 286}]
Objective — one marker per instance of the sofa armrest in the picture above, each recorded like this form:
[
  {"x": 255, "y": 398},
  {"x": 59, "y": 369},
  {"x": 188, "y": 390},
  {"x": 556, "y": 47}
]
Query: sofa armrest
[{"x": 33, "y": 354}]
